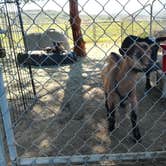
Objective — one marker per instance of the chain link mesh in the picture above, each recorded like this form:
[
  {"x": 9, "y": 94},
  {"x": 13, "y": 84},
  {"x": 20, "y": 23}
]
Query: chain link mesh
[{"x": 59, "y": 110}]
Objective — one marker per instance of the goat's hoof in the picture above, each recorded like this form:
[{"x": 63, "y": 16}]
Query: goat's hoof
[
  {"x": 111, "y": 128},
  {"x": 135, "y": 140},
  {"x": 137, "y": 137}
]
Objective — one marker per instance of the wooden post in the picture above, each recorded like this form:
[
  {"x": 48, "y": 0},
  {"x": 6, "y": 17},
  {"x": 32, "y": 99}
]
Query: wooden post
[{"x": 75, "y": 22}]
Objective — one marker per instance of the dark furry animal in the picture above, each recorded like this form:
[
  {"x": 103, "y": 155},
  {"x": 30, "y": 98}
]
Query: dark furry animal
[
  {"x": 119, "y": 80},
  {"x": 154, "y": 44},
  {"x": 56, "y": 49}
]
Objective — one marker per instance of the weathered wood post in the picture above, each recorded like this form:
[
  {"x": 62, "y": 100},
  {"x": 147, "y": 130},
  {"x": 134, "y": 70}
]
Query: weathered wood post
[{"x": 75, "y": 22}]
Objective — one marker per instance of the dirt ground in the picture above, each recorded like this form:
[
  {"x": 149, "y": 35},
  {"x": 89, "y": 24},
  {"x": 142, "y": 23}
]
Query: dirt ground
[{"x": 69, "y": 117}]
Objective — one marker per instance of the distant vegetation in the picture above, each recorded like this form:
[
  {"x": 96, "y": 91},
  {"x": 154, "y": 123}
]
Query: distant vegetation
[{"x": 101, "y": 28}]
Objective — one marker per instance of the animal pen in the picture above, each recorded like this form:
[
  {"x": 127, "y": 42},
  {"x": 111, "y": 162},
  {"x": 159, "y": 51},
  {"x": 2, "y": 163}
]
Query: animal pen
[{"x": 55, "y": 114}]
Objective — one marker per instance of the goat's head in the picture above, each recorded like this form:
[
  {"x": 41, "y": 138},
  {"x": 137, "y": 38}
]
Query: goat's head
[{"x": 140, "y": 53}]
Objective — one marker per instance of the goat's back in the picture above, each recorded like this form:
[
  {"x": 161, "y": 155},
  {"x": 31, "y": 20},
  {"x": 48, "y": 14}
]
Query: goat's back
[
  {"x": 115, "y": 71},
  {"x": 110, "y": 70}
]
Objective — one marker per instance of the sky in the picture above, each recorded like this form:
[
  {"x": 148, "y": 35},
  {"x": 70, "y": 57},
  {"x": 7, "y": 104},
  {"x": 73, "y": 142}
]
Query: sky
[{"x": 97, "y": 6}]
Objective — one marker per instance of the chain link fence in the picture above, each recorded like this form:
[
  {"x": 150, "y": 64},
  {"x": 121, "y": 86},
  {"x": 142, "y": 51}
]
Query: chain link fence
[
  {"x": 17, "y": 80},
  {"x": 57, "y": 105}
]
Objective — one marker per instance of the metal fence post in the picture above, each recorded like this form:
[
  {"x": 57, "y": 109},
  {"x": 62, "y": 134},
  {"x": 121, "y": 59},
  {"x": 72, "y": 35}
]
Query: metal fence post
[
  {"x": 21, "y": 24},
  {"x": 2, "y": 151},
  {"x": 25, "y": 44},
  {"x": 151, "y": 17},
  {"x": 7, "y": 121}
]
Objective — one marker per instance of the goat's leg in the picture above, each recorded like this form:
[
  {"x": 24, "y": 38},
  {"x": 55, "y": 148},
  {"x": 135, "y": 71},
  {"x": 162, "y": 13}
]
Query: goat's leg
[
  {"x": 147, "y": 85},
  {"x": 133, "y": 116},
  {"x": 111, "y": 118},
  {"x": 106, "y": 104},
  {"x": 136, "y": 132},
  {"x": 110, "y": 115}
]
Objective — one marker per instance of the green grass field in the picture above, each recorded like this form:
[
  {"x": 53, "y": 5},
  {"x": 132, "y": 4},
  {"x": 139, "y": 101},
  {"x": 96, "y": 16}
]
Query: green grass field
[
  {"x": 101, "y": 31},
  {"x": 95, "y": 31}
]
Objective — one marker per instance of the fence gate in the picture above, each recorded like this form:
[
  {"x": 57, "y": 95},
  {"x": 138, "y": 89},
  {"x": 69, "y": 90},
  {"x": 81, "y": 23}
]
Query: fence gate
[
  {"x": 53, "y": 108},
  {"x": 18, "y": 81}
]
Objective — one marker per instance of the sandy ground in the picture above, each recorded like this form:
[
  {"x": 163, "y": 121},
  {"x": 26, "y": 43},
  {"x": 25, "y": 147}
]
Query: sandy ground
[{"x": 69, "y": 117}]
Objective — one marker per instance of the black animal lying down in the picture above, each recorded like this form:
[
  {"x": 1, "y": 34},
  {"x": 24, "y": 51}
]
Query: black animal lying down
[
  {"x": 128, "y": 44},
  {"x": 53, "y": 55},
  {"x": 41, "y": 58}
]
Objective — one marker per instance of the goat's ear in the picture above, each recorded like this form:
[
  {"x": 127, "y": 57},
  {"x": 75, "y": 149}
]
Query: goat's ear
[{"x": 113, "y": 57}]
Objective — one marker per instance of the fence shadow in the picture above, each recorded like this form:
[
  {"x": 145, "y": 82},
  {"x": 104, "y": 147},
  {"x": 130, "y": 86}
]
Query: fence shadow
[{"x": 71, "y": 118}]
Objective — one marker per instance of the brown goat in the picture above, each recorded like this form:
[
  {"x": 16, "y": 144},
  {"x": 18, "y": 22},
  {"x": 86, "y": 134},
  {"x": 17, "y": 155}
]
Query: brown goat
[{"x": 119, "y": 79}]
